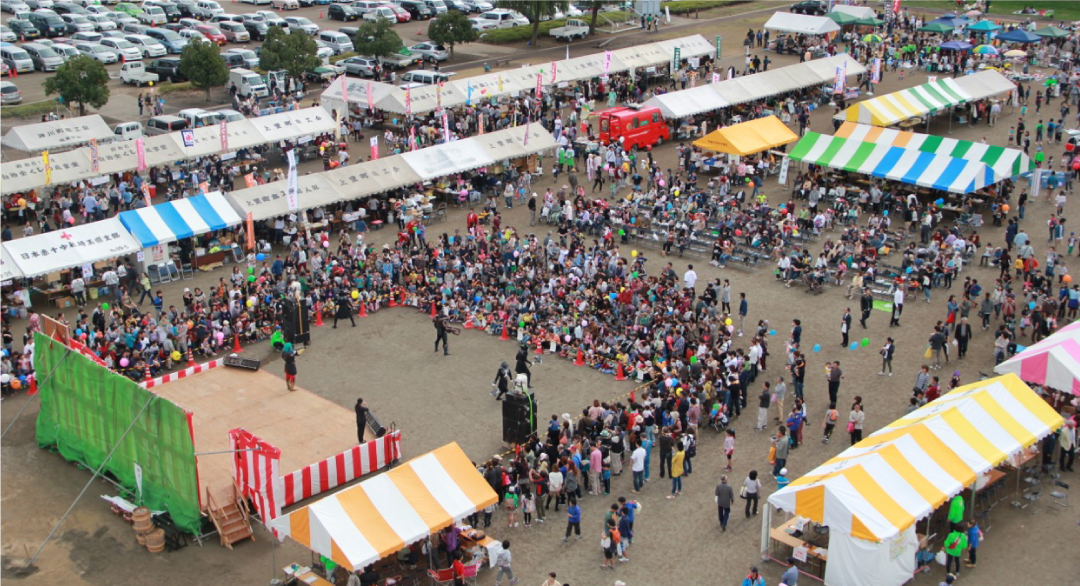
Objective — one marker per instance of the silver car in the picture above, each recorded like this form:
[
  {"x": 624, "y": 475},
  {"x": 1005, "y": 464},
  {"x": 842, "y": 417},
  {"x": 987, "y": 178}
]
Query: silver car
[
  {"x": 97, "y": 51},
  {"x": 101, "y": 22},
  {"x": 6, "y": 35},
  {"x": 9, "y": 93},
  {"x": 123, "y": 47},
  {"x": 14, "y": 6},
  {"x": 359, "y": 66},
  {"x": 431, "y": 52}
]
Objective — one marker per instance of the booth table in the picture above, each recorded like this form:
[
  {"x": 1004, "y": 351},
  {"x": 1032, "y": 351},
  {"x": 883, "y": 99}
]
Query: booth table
[
  {"x": 783, "y": 543},
  {"x": 303, "y": 575}
]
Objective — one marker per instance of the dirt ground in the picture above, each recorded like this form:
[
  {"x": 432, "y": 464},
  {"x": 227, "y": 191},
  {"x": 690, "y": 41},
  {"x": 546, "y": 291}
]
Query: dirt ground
[{"x": 388, "y": 360}]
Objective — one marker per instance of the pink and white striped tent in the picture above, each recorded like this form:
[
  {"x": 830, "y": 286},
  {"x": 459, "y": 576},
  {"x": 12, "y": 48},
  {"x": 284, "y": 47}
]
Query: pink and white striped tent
[{"x": 1054, "y": 362}]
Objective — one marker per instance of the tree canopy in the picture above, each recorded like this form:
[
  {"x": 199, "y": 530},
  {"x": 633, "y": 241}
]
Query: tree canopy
[
  {"x": 535, "y": 10},
  {"x": 81, "y": 80},
  {"x": 202, "y": 63},
  {"x": 377, "y": 39},
  {"x": 450, "y": 28},
  {"x": 294, "y": 52}
]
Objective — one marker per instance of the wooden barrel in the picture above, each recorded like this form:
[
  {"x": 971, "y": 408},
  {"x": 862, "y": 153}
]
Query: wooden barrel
[
  {"x": 155, "y": 540},
  {"x": 141, "y": 521},
  {"x": 141, "y": 538}
]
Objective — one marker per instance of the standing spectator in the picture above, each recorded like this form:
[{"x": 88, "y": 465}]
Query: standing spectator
[
  {"x": 783, "y": 444},
  {"x": 677, "y": 471},
  {"x": 834, "y": 376},
  {"x": 637, "y": 467},
  {"x": 1067, "y": 443},
  {"x": 751, "y": 488},
  {"x": 573, "y": 519},
  {"x": 887, "y": 352},
  {"x": 763, "y": 407},
  {"x": 856, "y": 418},
  {"x": 724, "y": 496},
  {"x": 922, "y": 380}
]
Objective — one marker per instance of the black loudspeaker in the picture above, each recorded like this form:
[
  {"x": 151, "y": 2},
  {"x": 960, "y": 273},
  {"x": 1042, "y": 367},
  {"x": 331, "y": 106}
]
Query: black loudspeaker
[
  {"x": 519, "y": 417},
  {"x": 295, "y": 321}
]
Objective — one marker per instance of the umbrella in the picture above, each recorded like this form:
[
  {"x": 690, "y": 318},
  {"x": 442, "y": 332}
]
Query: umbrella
[
  {"x": 871, "y": 38},
  {"x": 956, "y": 45},
  {"x": 1019, "y": 36},
  {"x": 985, "y": 50},
  {"x": 1016, "y": 53},
  {"x": 842, "y": 18},
  {"x": 951, "y": 20},
  {"x": 1052, "y": 32},
  {"x": 936, "y": 27},
  {"x": 869, "y": 21},
  {"x": 984, "y": 26}
]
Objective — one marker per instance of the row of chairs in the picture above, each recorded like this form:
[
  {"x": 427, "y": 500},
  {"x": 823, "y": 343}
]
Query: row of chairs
[
  {"x": 446, "y": 576},
  {"x": 1034, "y": 477}
]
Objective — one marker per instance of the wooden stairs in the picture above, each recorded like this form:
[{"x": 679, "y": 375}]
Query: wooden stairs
[{"x": 233, "y": 519}]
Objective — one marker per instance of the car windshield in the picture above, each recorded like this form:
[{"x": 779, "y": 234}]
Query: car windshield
[
  {"x": 121, "y": 43},
  {"x": 100, "y": 49},
  {"x": 301, "y": 20}
]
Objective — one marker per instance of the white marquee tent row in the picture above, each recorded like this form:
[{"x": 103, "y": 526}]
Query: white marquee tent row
[
  {"x": 786, "y": 22},
  {"x": 57, "y": 134},
  {"x": 120, "y": 156},
  {"x": 389, "y": 98},
  {"x": 740, "y": 90}
]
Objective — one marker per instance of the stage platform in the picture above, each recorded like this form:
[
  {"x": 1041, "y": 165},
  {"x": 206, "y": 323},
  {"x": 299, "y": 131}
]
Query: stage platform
[{"x": 304, "y": 426}]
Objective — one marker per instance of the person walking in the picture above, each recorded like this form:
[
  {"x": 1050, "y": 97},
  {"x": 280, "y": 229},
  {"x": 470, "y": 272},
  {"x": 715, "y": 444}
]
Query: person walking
[
  {"x": 744, "y": 307},
  {"x": 723, "y": 496},
  {"x": 573, "y": 518},
  {"x": 866, "y": 303},
  {"x": 667, "y": 442},
  {"x": 955, "y": 544},
  {"x": 501, "y": 385},
  {"x": 753, "y": 578},
  {"x": 831, "y": 417},
  {"x": 898, "y": 306},
  {"x": 344, "y": 310},
  {"x": 440, "y": 334},
  {"x": 750, "y": 489},
  {"x": 503, "y": 563},
  {"x": 289, "y": 356},
  {"x": 962, "y": 337},
  {"x": 677, "y": 471},
  {"x": 887, "y": 352},
  {"x": 856, "y": 418}
]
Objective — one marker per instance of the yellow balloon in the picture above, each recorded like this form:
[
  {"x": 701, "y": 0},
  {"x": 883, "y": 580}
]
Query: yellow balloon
[
  {"x": 151, "y": 84},
  {"x": 176, "y": 355},
  {"x": 250, "y": 303},
  {"x": 633, "y": 253},
  {"x": 727, "y": 322},
  {"x": 22, "y": 202},
  {"x": 355, "y": 294}
]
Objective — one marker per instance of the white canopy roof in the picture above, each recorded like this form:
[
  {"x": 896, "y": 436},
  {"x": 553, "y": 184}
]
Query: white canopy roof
[
  {"x": 856, "y": 11},
  {"x": 8, "y": 269},
  {"x": 67, "y": 133},
  {"x": 70, "y": 247},
  {"x": 787, "y": 22}
]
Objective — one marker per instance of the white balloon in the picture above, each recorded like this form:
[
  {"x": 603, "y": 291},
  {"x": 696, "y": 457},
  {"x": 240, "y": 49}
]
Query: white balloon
[{"x": 5, "y": 378}]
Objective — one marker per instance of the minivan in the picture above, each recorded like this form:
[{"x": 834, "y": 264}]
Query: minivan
[
  {"x": 128, "y": 130},
  {"x": 208, "y": 8},
  {"x": 16, "y": 58},
  {"x": 9, "y": 93},
  {"x": 164, "y": 125},
  {"x": 174, "y": 43},
  {"x": 44, "y": 58},
  {"x": 436, "y": 6},
  {"x": 152, "y": 15},
  {"x": 337, "y": 41},
  {"x": 49, "y": 25},
  {"x": 423, "y": 78},
  {"x": 197, "y": 117}
]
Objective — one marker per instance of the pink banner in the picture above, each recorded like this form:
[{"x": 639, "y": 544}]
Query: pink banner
[
  {"x": 146, "y": 194},
  {"x": 445, "y": 128},
  {"x": 344, "y": 92},
  {"x": 374, "y": 148},
  {"x": 412, "y": 138},
  {"x": 95, "y": 159},
  {"x": 370, "y": 96},
  {"x": 438, "y": 96},
  {"x": 140, "y": 152},
  {"x": 526, "y": 140},
  {"x": 539, "y": 85},
  {"x": 554, "y": 71},
  {"x": 223, "y": 131},
  {"x": 408, "y": 100}
]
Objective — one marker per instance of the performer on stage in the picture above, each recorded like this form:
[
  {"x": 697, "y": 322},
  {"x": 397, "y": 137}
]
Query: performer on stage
[
  {"x": 502, "y": 382},
  {"x": 344, "y": 310},
  {"x": 523, "y": 362},
  {"x": 440, "y": 334},
  {"x": 361, "y": 419},
  {"x": 289, "y": 356}
]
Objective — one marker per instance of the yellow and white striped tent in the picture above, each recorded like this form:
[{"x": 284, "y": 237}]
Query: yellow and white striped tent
[
  {"x": 928, "y": 98},
  {"x": 879, "y": 487},
  {"x": 376, "y": 518}
]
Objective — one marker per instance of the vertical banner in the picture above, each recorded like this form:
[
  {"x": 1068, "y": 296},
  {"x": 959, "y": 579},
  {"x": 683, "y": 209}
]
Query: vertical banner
[
  {"x": 370, "y": 96},
  {"x": 408, "y": 100},
  {"x": 480, "y": 124},
  {"x": 500, "y": 84},
  {"x": 249, "y": 180},
  {"x": 250, "y": 232},
  {"x": 468, "y": 93},
  {"x": 337, "y": 125},
  {"x": 375, "y": 148},
  {"x": 138, "y": 480},
  {"x": 140, "y": 152},
  {"x": 607, "y": 62},
  {"x": 526, "y": 140},
  {"x": 1036, "y": 183},
  {"x": 344, "y": 92},
  {"x": 48, "y": 167},
  {"x": 715, "y": 77},
  {"x": 438, "y": 97},
  {"x": 875, "y": 71},
  {"x": 146, "y": 194},
  {"x": 95, "y": 159},
  {"x": 539, "y": 85},
  {"x": 412, "y": 138},
  {"x": 784, "y": 163},
  {"x": 838, "y": 83},
  {"x": 292, "y": 190},
  {"x": 445, "y": 128},
  {"x": 554, "y": 70},
  {"x": 719, "y": 50},
  {"x": 676, "y": 59},
  {"x": 896, "y": 7},
  {"x": 223, "y": 131}
]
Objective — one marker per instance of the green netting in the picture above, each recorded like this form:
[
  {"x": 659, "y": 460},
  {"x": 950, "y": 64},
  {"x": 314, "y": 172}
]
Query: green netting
[{"x": 85, "y": 409}]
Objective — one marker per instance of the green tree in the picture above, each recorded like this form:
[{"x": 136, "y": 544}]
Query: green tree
[
  {"x": 535, "y": 10},
  {"x": 82, "y": 80},
  {"x": 202, "y": 63},
  {"x": 594, "y": 11},
  {"x": 450, "y": 28},
  {"x": 294, "y": 52},
  {"x": 377, "y": 39}
]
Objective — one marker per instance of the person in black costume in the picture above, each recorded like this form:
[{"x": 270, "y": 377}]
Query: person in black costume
[
  {"x": 523, "y": 362},
  {"x": 440, "y": 334}
]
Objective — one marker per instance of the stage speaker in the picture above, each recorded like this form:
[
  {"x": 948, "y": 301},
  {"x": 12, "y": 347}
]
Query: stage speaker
[
  {"x": 296, "y": 321},
  {"x": 519, "y": 417}
]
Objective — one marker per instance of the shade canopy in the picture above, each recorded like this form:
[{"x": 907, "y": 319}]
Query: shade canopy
[
  {"x": 951, "y": 20},
  {"x": 180, "y": 218},
  {"x": 928, "y": 98},
  {"x": 870, "y": 22},
  {"x": 8, "y": 269},
  {"x": 879, "y": 487},
  {"x": 1053, "y": 362},
  {"x": 984, "y": 26},
  {"x": 69, "y": 247},
  {"x": 381, "y": 515},
  {"x": 856, "y": 11},
  {"x": 786, "y": 22},
  {"x": 1052, "y": 32},
  {"x": 886, "y": 161},
  {"x": 936, "y": 27},
  {"x": 1004, "y": 162},
  {"x": 56, "y": 134},
  {"x": 842, "y": 18},
  {"x": 956, "y": 45},
  {"x": 1019, "y": 36},
  {"x": 748, "y": 138}
]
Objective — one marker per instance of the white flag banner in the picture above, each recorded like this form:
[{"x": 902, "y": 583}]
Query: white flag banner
[{"x": 292, "y": 190}]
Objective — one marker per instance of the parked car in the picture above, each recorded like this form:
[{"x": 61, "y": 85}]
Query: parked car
[
  {"x": 65, "y": 51},
  {"x": 359, "y": 66},
  {"x": 192, "y": 35},
  {"x": 324, "y": 73},
  {"x": 342, "y": 12},
  {"x": 129, "y": 9},
  {"x": 230, "y": 114},
  {"x": 256, "y": 2},
  {"x": 189, "y": 22},
  {"x": 479, "y": 6},
  {"x": 101, "y": 22},
  {"x": 171, "y": 10},
  {"x": 149, "y": 46},
  {"x": 173, "y": 42},
  {"x": 299, "y": 22},
  {"x": 6, "y": 35},
  {"x": 234, "y": 32},
  {"x": 416, "y": 9},
  {"x": 432, "y": 52},
  {"x": 124, "y": 48},
  {"x": 135, "y": 73},
  {"x": 44, "y": 24},
  {"x": 97, "y": 51},
  {"x": 212, "y": 33},
  {"x": 152, "y": 15},
  {"x": 402, "y": 14},
  {"x": 187, "y": 8},
  {"x": 504, "y": 18},
  {"x": 481, "y": 24},
  {"x": 69, "y": 8},
  {"x": 257, "y": 29},
  {"x": 337, "y": 41},
  {"x": 383, "y": 13},
  {"x": 35, "y": 4},
  {"x": 225, "y": 17},
  {"x": 128, "y": 131},
  {"x": 251, "y": 60},
  {"x": 44, "y": 58},
  {"x": 811, "y": 7},
  {"x": 121, "y": 19},
  {"x": 286, "y": 4},
  {"x": 13, "y": 6},
  {"x": 10, "y": 94},
  {"x": 167, "y": 68}
]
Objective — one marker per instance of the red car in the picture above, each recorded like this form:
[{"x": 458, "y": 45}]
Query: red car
[
  {"x": 212, "y": 33},
  {"x": 402, "y": 15}
]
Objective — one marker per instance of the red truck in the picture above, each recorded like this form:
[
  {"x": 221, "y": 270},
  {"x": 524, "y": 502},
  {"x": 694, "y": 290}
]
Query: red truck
[{"x": 640, "y": 127}]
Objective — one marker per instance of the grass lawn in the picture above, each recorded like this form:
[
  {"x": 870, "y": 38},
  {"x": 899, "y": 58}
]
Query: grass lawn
[{"x": 1063, "y": 11}]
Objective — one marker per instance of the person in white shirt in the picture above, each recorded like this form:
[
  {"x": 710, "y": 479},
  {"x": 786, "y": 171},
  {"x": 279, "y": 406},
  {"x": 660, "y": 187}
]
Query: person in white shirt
[
  {"x": 78, "y": 289},
  {"x": 690, "y": 277},
  {"x": 637, "y": 467}
]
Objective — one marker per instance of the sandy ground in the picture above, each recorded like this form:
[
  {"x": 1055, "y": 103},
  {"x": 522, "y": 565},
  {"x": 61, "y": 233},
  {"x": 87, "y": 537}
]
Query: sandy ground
[{"x": 388, "y": 360}]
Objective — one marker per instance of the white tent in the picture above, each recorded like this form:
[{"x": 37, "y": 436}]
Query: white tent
[
  {"x": 70, "y": 247},
  {"x": 786, "y": 22},
  {"x": 67, "y": 133},
  {"x": 8, "y": 269},
  {"x": 856, "y": 11}
]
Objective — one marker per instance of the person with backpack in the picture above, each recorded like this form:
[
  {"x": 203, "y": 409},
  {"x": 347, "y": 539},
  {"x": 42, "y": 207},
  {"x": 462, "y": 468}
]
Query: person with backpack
[
  {"x": 955, "y": 544},
  {"x": 831, "y": 417},
  {"x": 608, "y": 543}
]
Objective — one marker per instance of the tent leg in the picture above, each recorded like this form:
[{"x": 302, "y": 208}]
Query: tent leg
[
  {"x": 766, "y": 526},
  {"x": 950, "y": 120}
]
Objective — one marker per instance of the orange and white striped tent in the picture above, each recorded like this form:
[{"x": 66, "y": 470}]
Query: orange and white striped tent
[{"x": 376, "y": 518}]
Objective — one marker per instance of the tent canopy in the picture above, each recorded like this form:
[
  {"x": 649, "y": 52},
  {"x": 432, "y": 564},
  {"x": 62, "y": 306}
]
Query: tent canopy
[
  {"x": 179, "y": 219},
  {"x": 879, "y": 487},
  {"x": 1019, "y": 36},
  {"x": 69, "y": 247},
  {"x": 1054, "y": 362},
  {"x": 377, "y": 517},
  {"x": 927, "y": 99},
  {"x": 856, "y": 11},
  {"x": 1005, "y": 163},
  {"x": 67, "y": 133},
  {"x": 984, "y": 26},
  {"x": 749, "y": 137},
  {"x": 943, "y": 172},
  {"x": 8, "y": 269},
  {"x": 787, "y": 22}
]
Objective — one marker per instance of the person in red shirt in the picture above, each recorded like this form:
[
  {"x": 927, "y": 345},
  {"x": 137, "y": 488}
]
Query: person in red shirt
[
  {"x": 934, "y": 390},
  {"x": 471, "y": 220}
]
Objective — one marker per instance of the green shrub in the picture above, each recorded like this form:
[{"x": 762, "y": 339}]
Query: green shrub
[
  {"x": 33, "y": 110},
  {"x": 519, "y": 34},
  {"x": 688, "y": 6}
]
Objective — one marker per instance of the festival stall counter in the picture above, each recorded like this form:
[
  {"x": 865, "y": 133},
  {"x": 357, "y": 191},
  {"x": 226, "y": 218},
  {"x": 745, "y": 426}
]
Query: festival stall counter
[
  {"x": 178, "y": 220},
  {"x": 927, "y": 99},
  {"x": 1053, "y": 363}
]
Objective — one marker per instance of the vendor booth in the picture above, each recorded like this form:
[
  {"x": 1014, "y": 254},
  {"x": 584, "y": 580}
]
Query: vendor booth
[
  {"x": 747, "y": 138},
  {"x": 1053, "y": 362},
  {"x": 155, "y": 227},
  {"x": 58, "y": 134},
  {"x": 380, "y": 516},
  {"x": 856, "y": 516},
  {"x": 859, "y": 12},
  {"x": 926, "y": 99},
  {"x": 804, "y": 24},
  {"x": 8, "y": 269}
]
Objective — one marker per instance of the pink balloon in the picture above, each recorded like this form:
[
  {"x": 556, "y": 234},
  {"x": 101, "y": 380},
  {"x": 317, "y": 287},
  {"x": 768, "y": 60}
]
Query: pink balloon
[
  {"x": 661, "y": 183},
  {"x": 326, "y": 244},
  {"x": 124, "y": 362}
]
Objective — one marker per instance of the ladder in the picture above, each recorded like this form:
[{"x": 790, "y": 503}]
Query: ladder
[{"x": 232, "y": 520}]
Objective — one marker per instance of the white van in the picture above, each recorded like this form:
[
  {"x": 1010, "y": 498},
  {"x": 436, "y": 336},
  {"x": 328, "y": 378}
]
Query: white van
[
  {"x": 339, "y": 42},
  {"x": 128, "y": 131},
  {"x": 16, "y": 58},
  {"x": 208, "y": 8},
  {"x": 197, "y": 117},
  {"x": 247, "y": 83},
  {"x": 152, "y": 15}
]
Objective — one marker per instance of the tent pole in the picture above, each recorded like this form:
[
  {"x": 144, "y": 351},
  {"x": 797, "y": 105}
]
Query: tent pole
[
  {"x": 951, "y": 111},
  {"x": 31, "y": 399},
  {"x": 97, "y": 473}
]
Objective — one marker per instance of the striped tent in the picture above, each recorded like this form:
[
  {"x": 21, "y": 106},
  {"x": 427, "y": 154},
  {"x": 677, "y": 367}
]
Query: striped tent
[
  {"x": 1005, "y": 162},
  {"x": 886, "y": 161},
  {"x": 1054, "y": 362},
  {"x": 376, "y": 518},
  {"x": 180, "y": 218},
  {"x": 928, "y": 98},
  {"x": 879, "y": 487}
]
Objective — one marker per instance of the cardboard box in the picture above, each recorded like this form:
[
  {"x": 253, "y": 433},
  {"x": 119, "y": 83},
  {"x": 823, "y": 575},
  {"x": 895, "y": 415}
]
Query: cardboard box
[{"x": 64, "y": 302}]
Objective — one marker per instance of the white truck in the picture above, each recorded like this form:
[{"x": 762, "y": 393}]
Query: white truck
[
  {"x": 248, "y": 82},
  {"x": 135, "y": 73},
  {"x": 573, "y": 29}
]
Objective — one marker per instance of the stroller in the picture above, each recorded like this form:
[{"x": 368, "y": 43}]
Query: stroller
[{"x": 718, "y": 418}]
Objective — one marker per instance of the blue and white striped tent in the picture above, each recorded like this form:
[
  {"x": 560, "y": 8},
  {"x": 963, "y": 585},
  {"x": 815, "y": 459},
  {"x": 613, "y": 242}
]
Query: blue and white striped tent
[{"x": 179, "y": 219}]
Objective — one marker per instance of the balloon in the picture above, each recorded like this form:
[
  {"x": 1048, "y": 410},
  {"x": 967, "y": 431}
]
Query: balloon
[
  {"x": 176, "y": 355},
  {"x": 817, "y": 347},
  {"x": 1031, "y": 306},
  {"x": 326, "y": 244},
  {"x": 622, "y": 232},
  {"x": 251, "y": 270},
  {"x": 633, "y": 275},
  {"x": 260, "y": 257},
  {"x": 772, "y": 332},
  {"x": 886, "y": 212},
  {"x": 731, "y": 329},
  {"x": 864, "y": 342},
  {"x": 661, "y": 183},
  {"x": 633, "y": 253},
  {"x": 16, "y": 385},
  {"x": 1067, "y": 278},
  {"x": 251, "y": 278},
  {"x": 78, "y": 331},
  {"x": 693, "y": 360},
  {"x": 124, "y": 362},
  {"x": 1076, "y": 165},
  {"x": 738, "y": 232},
  {"x": 105, "y": 307},
  {"x": 612, "y": 296},
  {"x": 908, "y": 270},
  {"x": 82, "y": 336},
  {"x": 219, "y": 336},
  {"x": 854, "y": 346},
  {"x": 355, "y": 294},
  {"x": 5, "y": 378},
  {"x": 727, "y": 322},
  {"x": 250, "y": 303},
  {"x": 22, "y": 202},
  {"x": 1005, "y": 208},
  {"x": 566, "y": 338}
]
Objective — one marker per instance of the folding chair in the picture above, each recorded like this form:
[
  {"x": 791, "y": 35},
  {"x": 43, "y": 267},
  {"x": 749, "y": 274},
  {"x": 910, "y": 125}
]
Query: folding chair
[
  {"x": 187, "y": 270},
  {"x": 1060, "y": 494},
  {"x": 164, "y": 276},
  {"x": 174, "y": 273},
  {"x": 152, "y": 270},
  {"x": 471, "y": 572},
  {"x": 440, "y": 577}
]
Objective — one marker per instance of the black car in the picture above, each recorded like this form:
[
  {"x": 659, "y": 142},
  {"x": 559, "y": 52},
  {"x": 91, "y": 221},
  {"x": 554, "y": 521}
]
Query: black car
[
  {"x": 167, "y": 68},
  {"x": 417, "y": 10},
  {"x": 257, "y": 30},
  {"x": 26, "y": 30},
  {"x": 186, "y": 8},
  {"x": 342, "y": 12},
  {"x": 811, "y": 7},
  {"x": 65, "y": 8}
]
